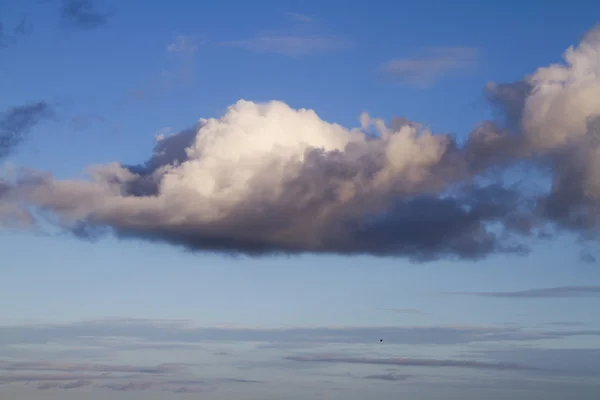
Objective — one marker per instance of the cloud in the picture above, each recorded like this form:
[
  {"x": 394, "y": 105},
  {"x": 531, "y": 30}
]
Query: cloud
[
  {"x": 291, "y": 45},
  {"x": 185, "y": 44},
  {"x": 410, "y": 311},
  {"x": 426, "y": 70},
  {"x": 23, "y": 28},
  {"x": 300, "y": 18},
  {"x": 179, "y": 70},
  {"x": 18, "y": 121},
  {"x": 320, "y": 188},
  {"x": 268, "y": 179},
  {"x": 122, "y": 378},
  {"x": 412, "y": 362},
  {"x": 102, "y": 334},
  {"x": 389, "y": 377},
  {"x": 68, "y": 385},
  {"x": 77, "y": 367},
  {"x": 82, "y": 14},
  {"x": 301, "y": 40},
  {"x": 561, "y": 291},
  {"x": 579, "y": 362},
  {"x": 128, "y": 387}
]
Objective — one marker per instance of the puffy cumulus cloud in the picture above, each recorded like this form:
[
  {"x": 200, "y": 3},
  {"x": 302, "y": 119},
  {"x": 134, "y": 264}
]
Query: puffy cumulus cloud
[
  {"x": 556, "y": 110},
  {"x": 266, "y": 178}
]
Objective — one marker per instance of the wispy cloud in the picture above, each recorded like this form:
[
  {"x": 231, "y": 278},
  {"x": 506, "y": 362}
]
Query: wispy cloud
[
  {"x": 49, "y": 377},
  {"x": 389, "y": 377},
  {"x": 553, "y": 292},
  {"x": 68, "y": 385},
  {"x": 412, "y": 362},
  {"x": 82, "y": 14},
  {"x": 187, "y": 44},
  {"x": 409, "y": 311},
  {"x": 18, "y": 121},
  {"x": 179, "y": 67},
  {"x": 23, "y": 28},
  {"x": 302, "y": 40},
  {"x": 425, "y": 70},
  {"x": 87, "y": 367},
  {"x": 128, "y": 386},
  {"x": 291, "y": 45},
  {"x": 300, "y": 18}
]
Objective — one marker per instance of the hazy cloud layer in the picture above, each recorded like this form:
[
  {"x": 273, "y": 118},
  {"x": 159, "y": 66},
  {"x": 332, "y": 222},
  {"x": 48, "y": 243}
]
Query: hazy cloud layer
[
  {"x": 82, "y": 14},
  {"x": 123, "y": 378},
  {"x": 135, "y": 334},
  {"x": 554, "y": 292},
  {"x": 266, "y": 178},
  {"x": 412, "y": 362},
  {"x": 424, "y": 71},
  {"x": 76, "y": 367}
]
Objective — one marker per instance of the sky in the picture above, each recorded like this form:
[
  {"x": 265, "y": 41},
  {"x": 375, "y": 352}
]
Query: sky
[{"x": 292, "y": 200}]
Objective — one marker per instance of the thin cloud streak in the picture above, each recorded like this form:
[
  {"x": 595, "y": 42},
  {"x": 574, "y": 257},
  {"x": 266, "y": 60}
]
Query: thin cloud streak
[
  {"x": 388, "y": 377},
  {"x": 87, "y": 367},
  {"x": 291, "y": 45},
  {"x": 409, "y": 311},
  {"x": 65, "y": 386},
  {"x": 413, "y": 362},
  {"x": 553, "y": 292},
  {"x": 426, "y": 70},
  {"x": 160, "y": 334}
]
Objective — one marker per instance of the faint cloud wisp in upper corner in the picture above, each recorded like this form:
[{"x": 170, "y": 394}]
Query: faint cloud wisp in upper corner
[
  {"x": 426, "y": 70},
  {"x": 554, "y": 292},
  {"x": 82, "y": 14},
  {"x": 291, "y": 45}
]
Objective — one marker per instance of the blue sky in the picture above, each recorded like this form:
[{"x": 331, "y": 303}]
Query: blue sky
[{"x": 206, "y": 319}]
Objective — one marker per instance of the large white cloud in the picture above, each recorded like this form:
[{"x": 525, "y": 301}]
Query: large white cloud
[{"x": 268, "y": 178}]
